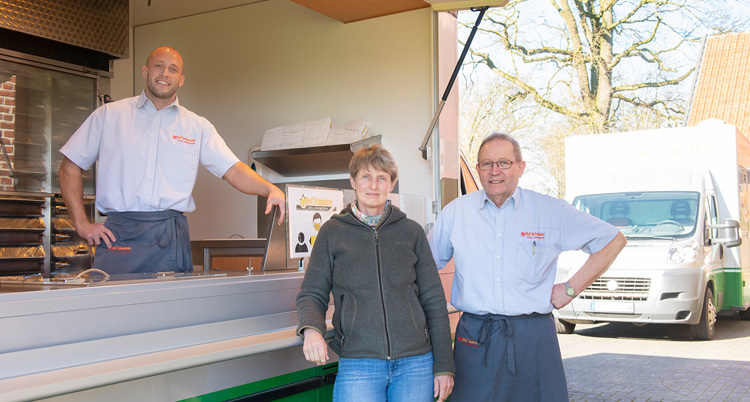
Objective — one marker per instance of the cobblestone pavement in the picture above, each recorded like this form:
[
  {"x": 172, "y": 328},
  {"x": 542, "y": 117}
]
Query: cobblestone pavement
[{"x": 622, "y": 362}]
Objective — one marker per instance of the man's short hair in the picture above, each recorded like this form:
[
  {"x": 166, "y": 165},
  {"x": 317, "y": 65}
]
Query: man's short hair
[{"x": 502, "y": 136}]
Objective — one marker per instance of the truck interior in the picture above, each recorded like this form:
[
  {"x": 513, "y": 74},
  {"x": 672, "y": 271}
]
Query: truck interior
[{"x": 645, "y": 214}]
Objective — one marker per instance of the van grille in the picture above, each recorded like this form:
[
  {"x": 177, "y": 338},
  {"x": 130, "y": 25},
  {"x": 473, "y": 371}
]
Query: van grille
[
  {"x": 628, "y": 289},
  {"x": 612, "y": 315}
]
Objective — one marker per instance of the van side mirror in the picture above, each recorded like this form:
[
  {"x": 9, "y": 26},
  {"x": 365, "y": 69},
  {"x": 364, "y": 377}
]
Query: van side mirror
[{"x": 729, "y": 233}]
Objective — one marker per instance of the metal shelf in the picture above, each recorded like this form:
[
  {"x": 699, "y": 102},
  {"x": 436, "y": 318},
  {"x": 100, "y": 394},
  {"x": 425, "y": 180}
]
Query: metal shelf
[{"x": 312, "y": 161}]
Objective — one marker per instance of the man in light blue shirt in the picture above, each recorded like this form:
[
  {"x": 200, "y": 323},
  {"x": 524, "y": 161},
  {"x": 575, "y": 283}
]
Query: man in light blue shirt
[
  {"x": 149, "y": 148},
  {"x": 504, "y": 241}
]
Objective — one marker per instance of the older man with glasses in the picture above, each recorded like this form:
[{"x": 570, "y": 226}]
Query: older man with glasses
[{"x": 505, "y": 241}]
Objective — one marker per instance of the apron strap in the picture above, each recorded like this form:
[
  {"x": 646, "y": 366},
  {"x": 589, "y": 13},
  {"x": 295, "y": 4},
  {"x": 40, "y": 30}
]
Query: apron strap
[{"x": 506, "y": 326}]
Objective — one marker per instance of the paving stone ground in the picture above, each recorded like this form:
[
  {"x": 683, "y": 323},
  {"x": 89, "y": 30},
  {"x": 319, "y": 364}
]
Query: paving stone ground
[{"x": 623, "y": 362}]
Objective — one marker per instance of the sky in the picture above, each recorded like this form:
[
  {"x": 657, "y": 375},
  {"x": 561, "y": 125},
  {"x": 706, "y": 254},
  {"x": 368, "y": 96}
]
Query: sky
[{"x": 535, "y": 13}]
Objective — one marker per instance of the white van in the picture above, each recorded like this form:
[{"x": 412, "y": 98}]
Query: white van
[{"x": 681, "y": 198}]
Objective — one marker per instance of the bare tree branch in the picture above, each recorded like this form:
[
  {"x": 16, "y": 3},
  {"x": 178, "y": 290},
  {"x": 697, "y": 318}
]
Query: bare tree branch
[{"x": 594, "y": 65}]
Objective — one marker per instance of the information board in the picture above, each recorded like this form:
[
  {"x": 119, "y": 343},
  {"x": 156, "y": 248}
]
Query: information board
[{"x": 309, "y": 208}]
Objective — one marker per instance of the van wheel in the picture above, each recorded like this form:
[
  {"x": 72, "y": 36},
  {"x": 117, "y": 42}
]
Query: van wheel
[
  {"x": 564, "y": 327},
  {"x": 704, "y": 329},
  {"x": 745, "y": 315}
]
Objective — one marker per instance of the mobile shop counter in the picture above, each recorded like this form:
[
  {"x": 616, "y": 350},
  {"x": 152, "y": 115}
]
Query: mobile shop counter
[{"x": 199, "y": 336}]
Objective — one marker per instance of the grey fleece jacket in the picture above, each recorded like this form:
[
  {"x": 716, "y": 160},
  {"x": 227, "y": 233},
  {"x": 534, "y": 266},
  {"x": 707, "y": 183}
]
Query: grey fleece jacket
[{"x": 389, "y": 302}]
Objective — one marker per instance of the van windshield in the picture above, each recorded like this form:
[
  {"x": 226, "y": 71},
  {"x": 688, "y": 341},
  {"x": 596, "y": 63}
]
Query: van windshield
[{"x": 670, "y": 214}]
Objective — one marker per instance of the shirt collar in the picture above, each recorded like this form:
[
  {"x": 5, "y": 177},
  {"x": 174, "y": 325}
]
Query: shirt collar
[
  {"x": 143, "y": 99},
  {"x": 515, "y": 198}
]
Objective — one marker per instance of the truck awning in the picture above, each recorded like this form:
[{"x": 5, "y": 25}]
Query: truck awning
[{"x": 357, "y": 10}]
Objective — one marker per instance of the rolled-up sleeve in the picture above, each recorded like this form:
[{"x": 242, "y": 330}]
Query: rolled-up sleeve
[
  {"x": 440, "y": 237},
  {"x": 83, "y": 146},
  {"x": 583, "y": 231},
  {"x": 215, "y": 154}
]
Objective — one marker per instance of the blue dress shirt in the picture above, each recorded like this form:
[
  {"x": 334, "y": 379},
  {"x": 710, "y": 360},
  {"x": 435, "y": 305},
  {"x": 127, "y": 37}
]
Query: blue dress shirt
[{"x": 506, "y": 257}]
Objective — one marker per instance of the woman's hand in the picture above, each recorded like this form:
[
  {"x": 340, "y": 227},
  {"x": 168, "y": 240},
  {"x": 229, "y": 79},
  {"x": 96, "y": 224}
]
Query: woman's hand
[
  {"x": 443, "y": 387},
  {"x": 316, "y": 349}
]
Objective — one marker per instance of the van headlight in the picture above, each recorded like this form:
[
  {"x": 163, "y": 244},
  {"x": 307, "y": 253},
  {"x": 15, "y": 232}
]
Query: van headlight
[{"x": 682, "y": 253}]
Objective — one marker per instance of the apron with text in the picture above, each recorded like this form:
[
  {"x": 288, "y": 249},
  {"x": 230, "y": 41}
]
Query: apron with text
[{"x": 146, "y": 242}]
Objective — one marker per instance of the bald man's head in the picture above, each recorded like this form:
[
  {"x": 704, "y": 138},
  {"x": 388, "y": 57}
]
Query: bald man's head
[{"x": 164, "y": 75}]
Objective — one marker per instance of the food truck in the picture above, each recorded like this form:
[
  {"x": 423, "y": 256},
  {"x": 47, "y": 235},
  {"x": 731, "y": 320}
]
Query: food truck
[
  {"x": 681, "y": 198},
  {"x": 227, "y": 329}
]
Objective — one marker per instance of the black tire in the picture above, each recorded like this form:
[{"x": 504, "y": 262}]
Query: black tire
[
  {"x": 704, "y": 329},
  {"x": 564, "y": 327},
  {"x": 745, "y": 315}
]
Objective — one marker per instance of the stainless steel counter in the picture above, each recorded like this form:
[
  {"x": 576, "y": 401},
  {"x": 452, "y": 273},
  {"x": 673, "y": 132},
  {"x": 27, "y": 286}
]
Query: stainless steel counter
[{"x": 203, "y": 333}]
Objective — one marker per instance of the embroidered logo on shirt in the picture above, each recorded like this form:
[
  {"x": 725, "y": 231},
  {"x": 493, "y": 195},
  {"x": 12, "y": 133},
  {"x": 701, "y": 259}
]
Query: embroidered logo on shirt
[
  {"x": 533, "y": 235},
  {"x": 120, "y": 249},
  {"x": 468, "y": 342},
  {"x": 183, "y": 140}
]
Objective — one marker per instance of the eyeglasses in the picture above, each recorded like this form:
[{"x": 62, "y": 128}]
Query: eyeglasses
[{"x": 504, "y": 165}]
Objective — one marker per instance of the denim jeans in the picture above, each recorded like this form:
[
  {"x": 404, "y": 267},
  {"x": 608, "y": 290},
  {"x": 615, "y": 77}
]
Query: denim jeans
[{"x": 376, "y": 380}]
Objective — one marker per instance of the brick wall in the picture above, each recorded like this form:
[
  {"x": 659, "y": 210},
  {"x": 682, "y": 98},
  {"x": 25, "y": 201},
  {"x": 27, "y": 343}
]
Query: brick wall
[
  {"x": 722, "y": 89},
  {"x": 7, "y": 130}
]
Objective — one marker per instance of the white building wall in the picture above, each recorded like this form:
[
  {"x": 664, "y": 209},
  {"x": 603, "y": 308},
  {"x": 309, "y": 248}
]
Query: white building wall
[{"x": 254, "y": 67}]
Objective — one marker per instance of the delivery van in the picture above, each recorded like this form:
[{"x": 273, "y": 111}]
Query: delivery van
[{"x": 681, "y": 198}]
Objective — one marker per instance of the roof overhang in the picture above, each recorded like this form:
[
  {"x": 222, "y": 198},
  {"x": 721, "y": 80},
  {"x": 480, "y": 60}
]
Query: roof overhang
[
  {"x": 151, "y": 11},
  {"x": 348, "y": 11}
]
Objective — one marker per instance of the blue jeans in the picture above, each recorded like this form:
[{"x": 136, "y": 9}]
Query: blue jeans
[{"x": 375, "y": 380}]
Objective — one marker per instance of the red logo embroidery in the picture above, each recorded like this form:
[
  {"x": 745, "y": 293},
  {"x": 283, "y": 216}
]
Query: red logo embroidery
[
  {"x": 120, "y": 249},
  {"x": 183, "y": 140},
  {"x": 533, "y": 235},
  {"x": 468, "y": 342}
]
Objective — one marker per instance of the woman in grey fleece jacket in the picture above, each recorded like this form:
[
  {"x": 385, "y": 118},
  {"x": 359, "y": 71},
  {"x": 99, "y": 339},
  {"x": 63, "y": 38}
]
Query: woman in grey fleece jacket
[{"x": 391, "y": 316}]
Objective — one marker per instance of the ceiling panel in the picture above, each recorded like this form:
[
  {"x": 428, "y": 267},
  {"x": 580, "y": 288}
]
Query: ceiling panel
[
  {"x": 151, "y": 11},
  {"x": 358, "y": 10},
  {"x": 453, "y": 5}
]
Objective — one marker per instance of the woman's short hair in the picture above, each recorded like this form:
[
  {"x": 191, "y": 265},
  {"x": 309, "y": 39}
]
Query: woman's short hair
[
  {"x": 502, "y": 136},
  {"x": 374, "y": 156}
]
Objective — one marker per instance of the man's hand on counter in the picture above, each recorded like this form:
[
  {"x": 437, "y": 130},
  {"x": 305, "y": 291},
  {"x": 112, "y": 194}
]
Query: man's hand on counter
[{"x": 315, "y": 347}]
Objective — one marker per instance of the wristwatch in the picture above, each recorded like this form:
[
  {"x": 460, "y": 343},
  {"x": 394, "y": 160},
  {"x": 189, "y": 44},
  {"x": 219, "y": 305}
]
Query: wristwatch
[{"x": 569, "y": 290}]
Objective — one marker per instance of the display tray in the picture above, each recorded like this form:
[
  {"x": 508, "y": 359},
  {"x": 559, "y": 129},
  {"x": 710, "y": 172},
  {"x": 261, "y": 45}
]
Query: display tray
[
  {"x": 74, "y": 258},
  {"x": 21, "y": 266},
  {"x": 9, "y": 237},
  {"x": 20, "y": 207},
  {"x": 30, "y": 138},
  {"x": 22, "y": 170}
]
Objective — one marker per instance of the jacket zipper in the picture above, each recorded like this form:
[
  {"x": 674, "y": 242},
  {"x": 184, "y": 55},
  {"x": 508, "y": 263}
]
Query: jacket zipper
[
  {"x": 342, "y": 325},
  {"x": 382, "y": 299}
]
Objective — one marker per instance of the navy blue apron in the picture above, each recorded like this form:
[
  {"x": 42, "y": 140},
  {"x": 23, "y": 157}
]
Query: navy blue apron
[
  {"x": 508, "y": 358},
  {"x": 146, "y": 242}
]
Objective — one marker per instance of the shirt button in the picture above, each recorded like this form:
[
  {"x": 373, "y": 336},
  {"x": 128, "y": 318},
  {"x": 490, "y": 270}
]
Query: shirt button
[
  {"x": 499, "y": 235},
  {"x": 498, "y": 257}
]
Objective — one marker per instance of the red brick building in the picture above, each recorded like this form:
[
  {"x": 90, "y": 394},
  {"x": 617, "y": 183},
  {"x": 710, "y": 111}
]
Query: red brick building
[{"x": 722, "y": 89}]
